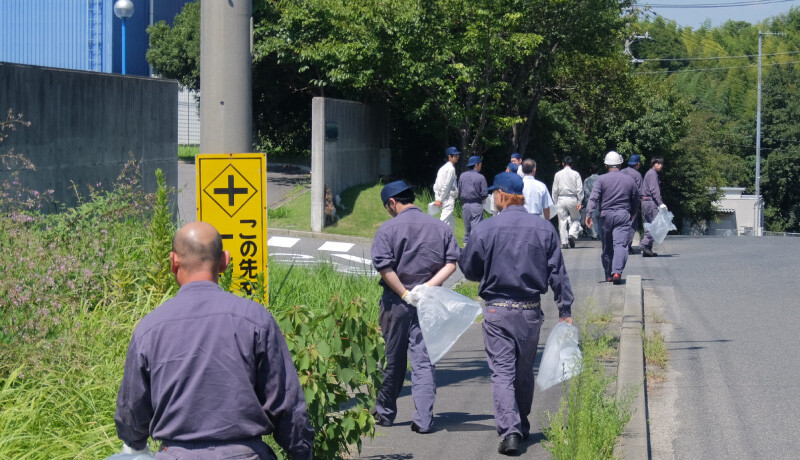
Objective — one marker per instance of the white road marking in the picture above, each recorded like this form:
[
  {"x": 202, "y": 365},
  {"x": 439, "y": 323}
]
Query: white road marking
[
  {"x": 291, "y": 256},
  {"x": 335, "y": 247},
  {"x": 353, "y": 258},
  {"x": 282, "y": 241}
]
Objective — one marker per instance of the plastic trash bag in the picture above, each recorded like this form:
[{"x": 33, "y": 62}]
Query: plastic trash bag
[
  {"x": 433, "y": 210},
  {"x": 660, "y": 226},
  {"x": 121, "y": 456},
  {"x": 129, "y": 453},
  {"x": 561, "y": 358},
  {"x": 488, "y": 204},
  {"x": 443, "y": 316}
]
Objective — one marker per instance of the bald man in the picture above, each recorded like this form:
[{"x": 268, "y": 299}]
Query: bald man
[{"x": 208, "y": 373}]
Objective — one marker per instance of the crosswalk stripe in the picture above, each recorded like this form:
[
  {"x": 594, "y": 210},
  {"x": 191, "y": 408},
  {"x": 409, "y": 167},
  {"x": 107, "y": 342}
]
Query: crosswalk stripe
[
  {"x": 334, "y": 246},
  {"x": 282, "y": 241}
]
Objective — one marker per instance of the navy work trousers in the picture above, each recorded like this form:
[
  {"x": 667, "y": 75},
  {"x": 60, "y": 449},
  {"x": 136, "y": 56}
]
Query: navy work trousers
[
  {"x": 254, "y": 449},
  {"x": 511, "y": 337},
  {"x": 472, "y": 213},
  {"x": 616, "y": 231},
  {"x": 649, "y": 213},
  {"x": 401, "y": 332}
]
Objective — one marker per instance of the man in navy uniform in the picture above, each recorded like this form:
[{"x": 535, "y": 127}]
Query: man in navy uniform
[
  {"x": 633, "y": 172},
  {"x": 616, "y": 196},
  {"x": 473, "y": 189},
  {"x": 410, "y": 249},
  {"x": 511, "y": 283},
  {"x": 208, "y": 373},
  {"x": 651, "y": 202}
]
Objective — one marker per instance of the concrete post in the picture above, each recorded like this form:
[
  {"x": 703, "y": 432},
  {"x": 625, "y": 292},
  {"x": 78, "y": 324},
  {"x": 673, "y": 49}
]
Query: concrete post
[
  {"x": 225, "y": 79},
  {"x": 317, "y": 164}
]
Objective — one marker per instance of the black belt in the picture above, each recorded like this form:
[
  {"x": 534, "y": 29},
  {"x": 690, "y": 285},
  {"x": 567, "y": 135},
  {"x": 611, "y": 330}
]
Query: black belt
[{"x": 512, "y": 304}]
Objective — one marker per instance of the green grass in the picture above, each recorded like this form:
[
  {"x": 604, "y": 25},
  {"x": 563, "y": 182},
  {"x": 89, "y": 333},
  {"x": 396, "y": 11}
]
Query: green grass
[
  {"x": 590, "y": 418},
  {"x": 188, "y": 152},
  {"x": 363, "y": 214},
  {"x": 468, "y": 288},
  {"x": 75, "y": 284},
  {"x": 655, "y": 349}
]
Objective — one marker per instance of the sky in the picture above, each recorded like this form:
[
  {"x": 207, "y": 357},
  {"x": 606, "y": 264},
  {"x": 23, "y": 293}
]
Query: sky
[{"x": 688, "y": 13}]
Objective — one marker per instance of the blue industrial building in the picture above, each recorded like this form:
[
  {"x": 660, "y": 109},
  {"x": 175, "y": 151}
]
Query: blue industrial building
[{"x": 79, "y": 34}]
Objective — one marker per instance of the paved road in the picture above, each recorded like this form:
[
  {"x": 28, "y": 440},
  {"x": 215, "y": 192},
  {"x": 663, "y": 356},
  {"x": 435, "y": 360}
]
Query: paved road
[{"x": 732, "y": 331}]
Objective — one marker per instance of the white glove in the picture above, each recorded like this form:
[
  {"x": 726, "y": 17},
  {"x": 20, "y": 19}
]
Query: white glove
[
  {"x": 414, "y": 296},
  {"x": 663, "y": 206},
  {"x": 126, "y": 449}
]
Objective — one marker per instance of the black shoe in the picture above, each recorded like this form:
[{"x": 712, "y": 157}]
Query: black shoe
[
  {"x": 564, "y": 246},
  {"x": 571, "y": 241},
  {"x": 416, "y": 429},
  {"x": 648, "y": 253},
  {"x": 380, "y": 421},
  {"x": 509, "y": 445},
  {"x": 616, "y": 278}
]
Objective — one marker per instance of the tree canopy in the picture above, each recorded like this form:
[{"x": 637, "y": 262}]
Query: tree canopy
[{"x": 545, "y": 78}]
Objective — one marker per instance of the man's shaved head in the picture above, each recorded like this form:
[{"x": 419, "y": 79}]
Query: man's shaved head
[{"x": 199, "y": 247}]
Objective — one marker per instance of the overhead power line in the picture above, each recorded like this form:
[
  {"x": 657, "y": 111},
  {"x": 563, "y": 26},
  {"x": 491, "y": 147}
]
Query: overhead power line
[
  {"x": 718, "y": 5},
  {"x": 718, "y": 57},
  {"x": 711, "y": 68}
]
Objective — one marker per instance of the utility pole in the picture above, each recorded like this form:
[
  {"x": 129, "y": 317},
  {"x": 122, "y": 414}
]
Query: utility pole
[
  {"x": 629, "y": 42},
  {"x": 759, "y": 227},
  {"x": 225, "y": 78}
]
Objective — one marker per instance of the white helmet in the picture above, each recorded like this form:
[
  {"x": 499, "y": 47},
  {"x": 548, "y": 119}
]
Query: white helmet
[{"x": 613, "y": 158}]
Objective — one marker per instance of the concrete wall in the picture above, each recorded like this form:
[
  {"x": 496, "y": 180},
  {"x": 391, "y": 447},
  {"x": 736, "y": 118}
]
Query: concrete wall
[
  {"x": 353, "y": 158},
  {"x": 85, "y": 125}
]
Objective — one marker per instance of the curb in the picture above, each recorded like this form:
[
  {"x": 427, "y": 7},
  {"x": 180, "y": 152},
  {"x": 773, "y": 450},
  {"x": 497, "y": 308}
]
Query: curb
[{"x": 634, "y": 442}]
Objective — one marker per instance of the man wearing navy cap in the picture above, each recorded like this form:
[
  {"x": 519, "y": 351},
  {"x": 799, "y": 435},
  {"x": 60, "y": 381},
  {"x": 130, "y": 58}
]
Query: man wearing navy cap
[
  {"x": 516, "y": 159},
  {"x": 410, "y": 249},
  {"x": 632, "y": 171},
  {"x": 512, "y": 168},
  {"x": 445, "y": 189},
  {"x": 512, "y": 283},
  {"x": 473, "y": 189},
  {"x": 615, "y": 195}
]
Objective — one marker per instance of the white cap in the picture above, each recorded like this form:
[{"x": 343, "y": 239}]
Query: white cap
[{"x": 613, "y": 158}]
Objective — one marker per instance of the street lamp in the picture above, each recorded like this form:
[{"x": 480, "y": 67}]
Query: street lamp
[{"x": 123, "y": 9}]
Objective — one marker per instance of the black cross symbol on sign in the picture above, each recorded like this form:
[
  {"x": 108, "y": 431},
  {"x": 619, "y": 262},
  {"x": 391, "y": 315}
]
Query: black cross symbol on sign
[{"x": 231, "y": 191}]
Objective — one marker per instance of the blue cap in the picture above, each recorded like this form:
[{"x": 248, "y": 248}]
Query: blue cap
[
  {"x": 516, "y": 156},
  {"x": 634, "y": 160},
  {"x": 393, "y": 189},
  {"x": 508, "y": 183},
  {"x": 513, "y": 167},
  {"x": 473, "y": 160},
  {"x": 452, "y": 151}
]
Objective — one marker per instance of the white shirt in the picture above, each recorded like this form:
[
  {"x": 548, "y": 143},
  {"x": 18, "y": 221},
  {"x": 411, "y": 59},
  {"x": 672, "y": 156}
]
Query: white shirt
[
  {"x": 537, "y": 198},
  {"x": 567, "y": 183},
  {"x": 519, "y": 171},
  {"x": 446, "y": 186}
]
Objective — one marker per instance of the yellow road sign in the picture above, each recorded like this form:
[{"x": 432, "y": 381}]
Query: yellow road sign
[{"x": 232, "y": 196}]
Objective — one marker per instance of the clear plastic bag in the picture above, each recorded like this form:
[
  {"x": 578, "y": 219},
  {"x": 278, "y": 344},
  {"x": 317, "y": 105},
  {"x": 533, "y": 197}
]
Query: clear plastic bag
[
  {"x": 561, "y": 358},
  {"x": 433, "y": 210},
  {"x": 660, "y": 226},
  {"x": 488, "y": 204},
  {"x": 121, "y": 456},
  {"x": 443, "y": 316}
]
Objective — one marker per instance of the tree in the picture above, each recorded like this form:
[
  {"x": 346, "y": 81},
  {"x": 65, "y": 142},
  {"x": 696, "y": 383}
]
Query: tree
[{"x": 174, "y": 52}]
